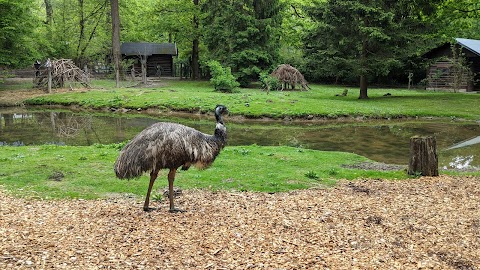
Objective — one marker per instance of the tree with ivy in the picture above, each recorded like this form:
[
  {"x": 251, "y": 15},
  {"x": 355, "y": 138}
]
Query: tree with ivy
[{"x": 243, "y": 35}]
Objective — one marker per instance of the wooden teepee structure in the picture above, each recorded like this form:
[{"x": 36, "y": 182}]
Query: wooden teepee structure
[
  {"x": 289, "y": 75},
  {"x": 62, "y": 70}
]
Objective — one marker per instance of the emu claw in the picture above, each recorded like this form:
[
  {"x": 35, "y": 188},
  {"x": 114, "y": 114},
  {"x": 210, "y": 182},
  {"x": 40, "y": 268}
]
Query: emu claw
[{"x": 176, "y": 210}]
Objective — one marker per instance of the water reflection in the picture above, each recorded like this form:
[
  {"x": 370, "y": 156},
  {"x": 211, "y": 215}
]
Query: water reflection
[{"x": 384, "y": 141}]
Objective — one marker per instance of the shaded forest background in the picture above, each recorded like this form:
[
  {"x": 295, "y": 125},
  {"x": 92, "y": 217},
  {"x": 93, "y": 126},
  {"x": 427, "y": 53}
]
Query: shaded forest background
[{"x": 329, "y": 41}]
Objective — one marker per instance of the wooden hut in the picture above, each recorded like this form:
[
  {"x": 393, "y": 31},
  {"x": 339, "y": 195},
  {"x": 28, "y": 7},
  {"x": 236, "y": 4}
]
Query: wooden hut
[
  {"x": 158, "y": 56},
  {"x": 444, "y": 74}
]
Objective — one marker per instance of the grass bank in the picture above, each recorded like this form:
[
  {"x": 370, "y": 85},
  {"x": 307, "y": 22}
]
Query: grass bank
[
  {"x": 50, "y": 171},
  {"x": 321, "y": 101}
]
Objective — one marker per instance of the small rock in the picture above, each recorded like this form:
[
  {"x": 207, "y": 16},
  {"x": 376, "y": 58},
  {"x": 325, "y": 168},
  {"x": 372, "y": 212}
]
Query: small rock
[{"x": 56, "y": 176}]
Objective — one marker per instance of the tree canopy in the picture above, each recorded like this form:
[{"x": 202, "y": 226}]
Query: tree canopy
[
  {"x": 248, "y": 31},
  {"x": 17, "y": 22},
  {"x": 327, "y": 40},
  {"x": 362, "y": 39}
]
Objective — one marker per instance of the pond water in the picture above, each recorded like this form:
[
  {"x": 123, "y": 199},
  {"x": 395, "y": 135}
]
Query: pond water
[{"x": 383, "y": 141}]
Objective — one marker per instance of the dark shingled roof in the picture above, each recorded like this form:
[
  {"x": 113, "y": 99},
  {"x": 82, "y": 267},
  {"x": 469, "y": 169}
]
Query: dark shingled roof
[
  {"x": 472, "y": 45},
  {"x": 146, "y": 48}
]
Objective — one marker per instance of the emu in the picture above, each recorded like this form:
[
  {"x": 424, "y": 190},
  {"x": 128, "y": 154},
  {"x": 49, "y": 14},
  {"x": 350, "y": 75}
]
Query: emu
[{"x": 166, "y": 145}]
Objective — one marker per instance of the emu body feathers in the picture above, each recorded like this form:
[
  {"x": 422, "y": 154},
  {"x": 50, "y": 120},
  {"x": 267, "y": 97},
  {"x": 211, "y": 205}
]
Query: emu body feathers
[
  {"x": 167, "y": 145},
  {"x": 170, "y": 146}
]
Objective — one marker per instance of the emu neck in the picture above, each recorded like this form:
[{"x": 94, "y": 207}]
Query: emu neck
[
  {"x": 220, "y": 134},
  {"x": 219, "y": 118},
  {"x": 220, "y": 130}
]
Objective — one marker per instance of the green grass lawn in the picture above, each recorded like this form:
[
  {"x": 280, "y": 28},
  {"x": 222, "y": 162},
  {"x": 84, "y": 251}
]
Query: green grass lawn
[
  {"x": 87, "y": 171},
  {"x": 321, "y": 101}
]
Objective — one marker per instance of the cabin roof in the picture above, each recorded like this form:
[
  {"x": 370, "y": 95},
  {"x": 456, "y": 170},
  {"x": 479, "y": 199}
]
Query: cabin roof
[
  {"x": 472, "y": 45},
  {"x": 147, "y": 48}
]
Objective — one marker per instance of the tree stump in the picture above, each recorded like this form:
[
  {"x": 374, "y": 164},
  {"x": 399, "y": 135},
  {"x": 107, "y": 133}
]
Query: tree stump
[{"x": 423, "y": 156}]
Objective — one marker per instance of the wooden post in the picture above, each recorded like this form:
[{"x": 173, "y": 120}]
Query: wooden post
[
  {"x": 49, "y": 83},
  {"x": 48, "y": 65},
  {"x": 423, "y": 156}
]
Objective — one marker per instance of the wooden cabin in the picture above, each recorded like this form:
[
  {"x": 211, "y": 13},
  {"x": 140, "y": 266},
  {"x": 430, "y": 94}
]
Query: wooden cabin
[
  {"x": 444, "y": 74},
  {"x": 159, "y": 57}
]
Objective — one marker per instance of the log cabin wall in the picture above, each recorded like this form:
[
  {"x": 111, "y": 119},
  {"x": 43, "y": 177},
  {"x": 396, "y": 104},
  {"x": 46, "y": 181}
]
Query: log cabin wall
[
  {"x": 441, "y": 77},
  {"x": 159, "y": 57}
]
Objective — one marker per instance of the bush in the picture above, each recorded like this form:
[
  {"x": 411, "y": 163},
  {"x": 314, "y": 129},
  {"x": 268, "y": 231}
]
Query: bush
[
  {"x": 269, "y": 82},
  {"x": 222, "y": 78}
]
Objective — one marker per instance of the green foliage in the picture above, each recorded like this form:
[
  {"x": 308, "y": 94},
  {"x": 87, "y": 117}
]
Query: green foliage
[
  {"x": 269, "y": 83},
  {"x": 369, "y": 39},
  {"x": 17, "y": 22},
  {"x": 88, "y": 25},
  {"x": 295, "y": 24},
  {"x": 311, "y": 175},
  {"x": 460, "y": 69},
  {"x": 457, "y": 18},
  {"x": 249, "y": 34},
  {"x": 222, "y": 78}
]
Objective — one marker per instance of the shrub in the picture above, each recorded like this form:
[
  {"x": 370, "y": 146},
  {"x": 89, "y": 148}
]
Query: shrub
[
  {"x": 269, "y": 82},
  {"x": 222, "y": 78}
]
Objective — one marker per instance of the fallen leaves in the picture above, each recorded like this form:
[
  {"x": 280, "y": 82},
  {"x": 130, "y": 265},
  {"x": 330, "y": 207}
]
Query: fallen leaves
[{"x": 420, "y": 223}]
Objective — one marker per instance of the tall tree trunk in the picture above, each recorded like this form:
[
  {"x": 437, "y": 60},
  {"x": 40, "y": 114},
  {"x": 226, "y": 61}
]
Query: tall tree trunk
[
  {"x": 195, "y": 49},
  {"x": 116, "y": 40},
  {"x": 363, "y": 87},
  {"x": 49, "y": 18},
  {"x": 81, "y": 36},
  {"x": 83, "y": 42},
  {"x": 195, "y": 61},
  {"x": 363, "y": 74},
  {"x": 49, "y": 11}
]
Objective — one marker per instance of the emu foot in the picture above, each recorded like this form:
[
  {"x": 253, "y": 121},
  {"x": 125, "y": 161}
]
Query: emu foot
[
  {"x": 176, "y": 210},
  {"x": 149, "y": 209}
]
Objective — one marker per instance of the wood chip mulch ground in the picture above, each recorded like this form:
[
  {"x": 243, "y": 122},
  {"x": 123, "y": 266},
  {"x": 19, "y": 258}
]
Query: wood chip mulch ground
[{"x": 425, "y": 223}]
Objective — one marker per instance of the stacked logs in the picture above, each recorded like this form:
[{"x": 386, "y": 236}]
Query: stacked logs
[
  {"x": 62, "y": 70},
  {"x": 289, "y": 75}
]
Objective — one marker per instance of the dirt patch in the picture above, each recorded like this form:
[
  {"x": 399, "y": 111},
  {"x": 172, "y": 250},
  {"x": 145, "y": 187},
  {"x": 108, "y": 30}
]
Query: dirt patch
[
  {"x": 412, "y": 224},
  {"x": 375, "y": 166},
  {"x": 16, "y": 97}
]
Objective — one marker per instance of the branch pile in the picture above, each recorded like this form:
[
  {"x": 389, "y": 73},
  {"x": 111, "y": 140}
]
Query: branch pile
[
  {"x": 289, "y": 75},
  {"x": 63, "y": 70}
]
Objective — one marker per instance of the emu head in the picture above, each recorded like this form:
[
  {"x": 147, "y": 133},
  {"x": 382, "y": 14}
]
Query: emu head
[{"x": 219, "y": 111}]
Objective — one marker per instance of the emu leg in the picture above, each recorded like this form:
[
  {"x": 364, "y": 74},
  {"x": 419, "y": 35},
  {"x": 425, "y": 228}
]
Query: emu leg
[
  {"x": 171, "y": 178},
  {"x": 153, "y": 176}
]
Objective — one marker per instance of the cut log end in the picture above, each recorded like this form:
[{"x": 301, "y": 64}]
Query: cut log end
[{"x": 423, "y": 156}]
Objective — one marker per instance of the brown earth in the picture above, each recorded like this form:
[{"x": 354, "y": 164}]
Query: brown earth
[
  {"x": 16, "y": 97},
  {"x": 424, "y": 223}
]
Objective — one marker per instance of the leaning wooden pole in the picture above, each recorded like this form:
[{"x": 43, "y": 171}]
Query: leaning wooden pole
[
  {"x": 49, "y": 82},
  {"x": 423, "y": 156}
]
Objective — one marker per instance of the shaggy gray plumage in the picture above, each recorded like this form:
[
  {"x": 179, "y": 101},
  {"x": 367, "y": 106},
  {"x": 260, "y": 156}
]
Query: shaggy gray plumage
[{"x": 170, "y": 146}]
